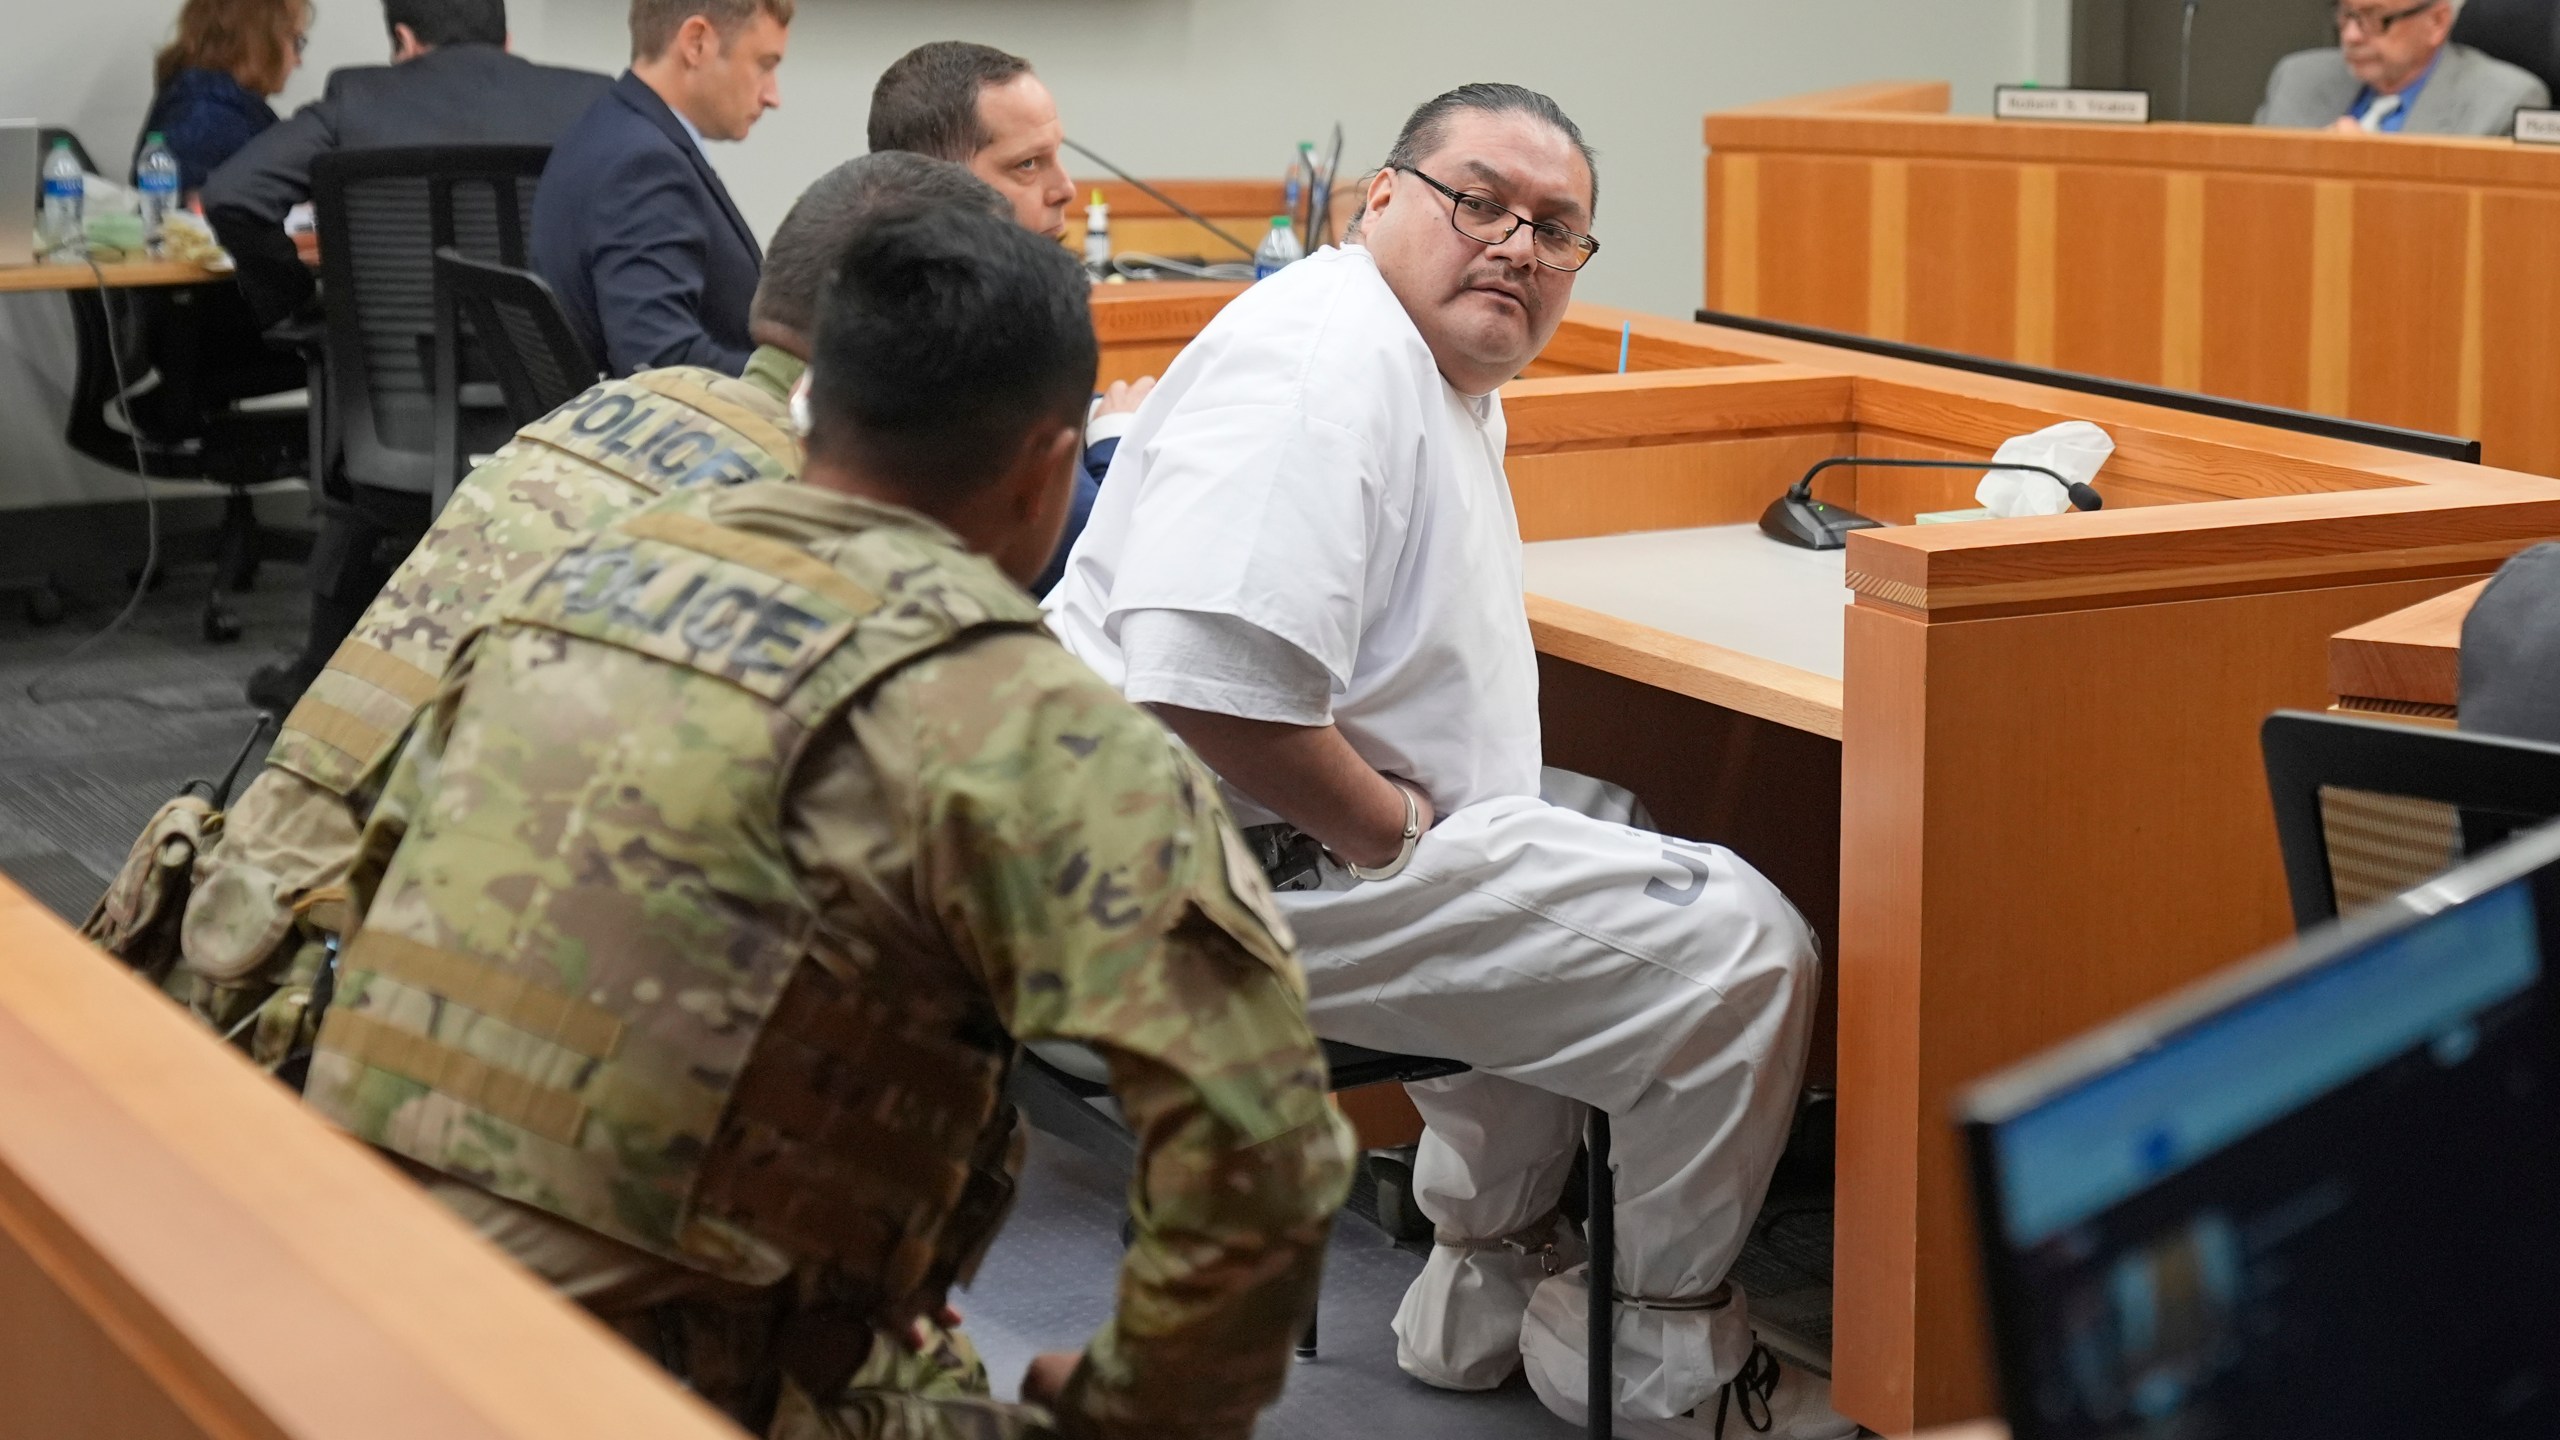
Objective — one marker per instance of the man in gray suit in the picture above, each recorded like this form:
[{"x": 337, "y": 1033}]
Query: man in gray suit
[{"x": 2395, "y": 72}]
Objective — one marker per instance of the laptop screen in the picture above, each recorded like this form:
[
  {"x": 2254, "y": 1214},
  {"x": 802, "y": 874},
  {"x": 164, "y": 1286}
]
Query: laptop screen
[{"x": 2330, "y": 1206}]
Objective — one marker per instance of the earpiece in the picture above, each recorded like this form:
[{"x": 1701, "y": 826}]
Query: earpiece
[{"x": 800, "y": 406}]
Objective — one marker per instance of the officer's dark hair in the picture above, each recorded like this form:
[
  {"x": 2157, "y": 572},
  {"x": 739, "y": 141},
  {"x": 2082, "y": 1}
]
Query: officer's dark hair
[
  {"x": 1427, "y": 128},
  {"x": 813, "y": 236},
  {"x": 927, "y": 100},
  {"x": 449, "y": 22},
  {"x": 946, "y": 335}
]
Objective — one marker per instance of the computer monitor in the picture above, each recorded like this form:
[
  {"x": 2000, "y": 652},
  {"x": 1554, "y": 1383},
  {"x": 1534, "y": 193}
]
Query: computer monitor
[
  {"x": 18, "y": 183},
  {"x": 2316, "y": 1195}
]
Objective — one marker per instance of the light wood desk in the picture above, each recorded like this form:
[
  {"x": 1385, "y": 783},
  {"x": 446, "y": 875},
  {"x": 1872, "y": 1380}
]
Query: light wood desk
[
  {"x": 2406, "y": 280},
  {"x": 2406, "y": 665},
  {"x": 119, "y": 275},
  {"x": 188, "y": 1254}
]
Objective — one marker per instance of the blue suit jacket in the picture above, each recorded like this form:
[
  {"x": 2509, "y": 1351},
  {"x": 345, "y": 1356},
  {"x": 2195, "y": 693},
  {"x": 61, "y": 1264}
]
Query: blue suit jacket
[
  {"x": 1097, "y": 464},
  {"x": 635, "y": 231}
]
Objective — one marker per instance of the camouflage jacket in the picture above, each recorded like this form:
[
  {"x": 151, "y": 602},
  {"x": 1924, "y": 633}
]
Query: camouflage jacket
[
  {"x": 266, "y": 895},
  {"x": 707, "y": 901}
]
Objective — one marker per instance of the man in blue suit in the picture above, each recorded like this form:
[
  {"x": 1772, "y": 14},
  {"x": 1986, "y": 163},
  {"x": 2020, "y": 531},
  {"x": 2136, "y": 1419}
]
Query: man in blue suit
[{"x": 631, "y": 225}]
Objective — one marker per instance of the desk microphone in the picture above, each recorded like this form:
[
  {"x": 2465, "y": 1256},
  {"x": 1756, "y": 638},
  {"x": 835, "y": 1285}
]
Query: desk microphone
[
  {"x": 2186, "y": 58},
  {"x": 1161, "y": 198},
  {"x": 1802, "y": 521}
]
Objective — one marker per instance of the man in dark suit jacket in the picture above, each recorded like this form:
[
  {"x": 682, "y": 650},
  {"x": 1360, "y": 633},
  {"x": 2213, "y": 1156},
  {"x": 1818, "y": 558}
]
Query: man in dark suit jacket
[
  {"x": 631, "y": 224},
  {"x": 450, "y": 82}
]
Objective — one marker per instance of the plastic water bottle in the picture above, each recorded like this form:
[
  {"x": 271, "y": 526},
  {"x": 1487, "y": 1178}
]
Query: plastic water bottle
[
  {"x": 64, "y": 240},
  {"x": 156, "y": 176},
  {"x": 1097, "y": 235},
  {"x": 1279, "y": 248}
]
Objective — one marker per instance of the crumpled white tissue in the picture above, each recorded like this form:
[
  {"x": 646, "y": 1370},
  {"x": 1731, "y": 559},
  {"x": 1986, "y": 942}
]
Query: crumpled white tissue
[{"x": 2075, "y": 448}]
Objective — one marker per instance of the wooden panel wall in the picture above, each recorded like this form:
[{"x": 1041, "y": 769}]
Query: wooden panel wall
[
  {"x": 2411, "y": 281},
  {"x": 2048, "y": 819}
]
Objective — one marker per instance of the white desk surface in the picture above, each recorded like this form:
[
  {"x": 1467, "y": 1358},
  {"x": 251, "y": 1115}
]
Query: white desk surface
[{"x": 1726, "y": 585}]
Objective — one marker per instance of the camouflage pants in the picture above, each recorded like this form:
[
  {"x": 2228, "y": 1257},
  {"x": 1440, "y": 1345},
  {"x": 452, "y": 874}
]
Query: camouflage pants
[{"x": 727, "y": 1342}]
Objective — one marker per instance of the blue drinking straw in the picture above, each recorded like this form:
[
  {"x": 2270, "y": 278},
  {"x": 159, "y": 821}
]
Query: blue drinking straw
[{"x": 1626, "y": 337}]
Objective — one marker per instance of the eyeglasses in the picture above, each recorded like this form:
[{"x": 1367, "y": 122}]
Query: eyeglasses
[
  {"x": 301, "y": 43},
  {"x": 2378, "y": 23},
  {"x": 1486, "y": 223}
]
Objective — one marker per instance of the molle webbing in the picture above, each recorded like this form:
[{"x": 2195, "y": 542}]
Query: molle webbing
[
  {"x": 356, "y": 710},
  {"x": 555, "y": 1115},
  {"x": 504, "y": 995}
]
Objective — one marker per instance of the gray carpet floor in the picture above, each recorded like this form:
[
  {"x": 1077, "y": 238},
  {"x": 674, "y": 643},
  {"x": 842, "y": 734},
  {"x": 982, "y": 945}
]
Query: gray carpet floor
[{"x": 108, "y": 737}]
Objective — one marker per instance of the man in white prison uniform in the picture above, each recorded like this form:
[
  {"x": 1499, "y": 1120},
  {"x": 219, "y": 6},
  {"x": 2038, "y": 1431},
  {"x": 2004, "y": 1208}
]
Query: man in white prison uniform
[{"x": 1307, "y": 562}]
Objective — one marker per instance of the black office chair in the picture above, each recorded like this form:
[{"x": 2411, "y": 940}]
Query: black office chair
[
  {"x": 188, "y": 407},
  {"x": 2524, "y": 33},
  {"x": 2366, "y": 809},
  {"x": 382, "y": 214},
  {"x": 1055, "y": 1087},
  {"x": 516, "y": 319}
]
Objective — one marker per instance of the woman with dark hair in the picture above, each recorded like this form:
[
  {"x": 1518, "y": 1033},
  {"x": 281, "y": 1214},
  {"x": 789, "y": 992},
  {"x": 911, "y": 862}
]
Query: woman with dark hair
[{"x": 209, "y": 85}]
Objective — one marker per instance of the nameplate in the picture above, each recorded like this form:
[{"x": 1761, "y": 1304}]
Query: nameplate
[
  {"x": 2538, "y": 127},
  {"x": 2101, "y": 107}
]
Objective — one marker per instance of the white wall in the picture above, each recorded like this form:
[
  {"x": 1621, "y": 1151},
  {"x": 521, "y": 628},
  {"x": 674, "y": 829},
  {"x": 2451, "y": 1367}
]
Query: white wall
[
  {"x": 1191, "y": 87},
  {"x": 1226, "y": 87}
]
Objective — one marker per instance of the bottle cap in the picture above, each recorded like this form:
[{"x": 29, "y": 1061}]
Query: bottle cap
[
  {"x": 1279, "y": 222},
  {"x": 1097, "y": 200},
  {"x": 153, "y": 138}
]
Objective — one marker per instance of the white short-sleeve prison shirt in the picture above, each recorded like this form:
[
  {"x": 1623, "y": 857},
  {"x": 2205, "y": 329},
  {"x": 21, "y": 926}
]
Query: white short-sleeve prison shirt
[{"x": 1303, "y": 468}]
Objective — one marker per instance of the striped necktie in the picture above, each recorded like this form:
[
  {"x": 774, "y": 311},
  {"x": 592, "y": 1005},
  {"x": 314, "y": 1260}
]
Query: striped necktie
[{"x": 2382, "y": 108}]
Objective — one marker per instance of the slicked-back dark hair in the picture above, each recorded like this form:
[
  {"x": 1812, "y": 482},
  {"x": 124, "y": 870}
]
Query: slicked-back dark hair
[
  {"x": 1428, "y": 127},
  {"x": 813, "y": 236},
  {"x": 946, "y": 336},
  {"x": 927, "y": 100},
  {"x": 449, "y": 22}
]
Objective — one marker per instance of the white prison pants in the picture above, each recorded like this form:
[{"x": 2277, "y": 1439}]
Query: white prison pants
[{"x": 1574, "y": 959}]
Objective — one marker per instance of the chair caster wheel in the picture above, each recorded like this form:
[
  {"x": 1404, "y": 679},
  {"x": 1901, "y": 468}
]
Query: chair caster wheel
[
  {"x": 44, "y": 606},
  {"x": 221, "y": 627}
]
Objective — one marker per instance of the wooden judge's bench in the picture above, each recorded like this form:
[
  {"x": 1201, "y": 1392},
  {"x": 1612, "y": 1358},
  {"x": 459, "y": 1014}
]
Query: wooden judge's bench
[
  {"x": 2400, "y": 279},
  {"x": 2008, "y": 769}
]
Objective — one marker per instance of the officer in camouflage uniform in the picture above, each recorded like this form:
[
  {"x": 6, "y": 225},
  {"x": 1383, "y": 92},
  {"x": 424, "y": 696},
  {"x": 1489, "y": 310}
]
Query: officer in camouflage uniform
[
  {"x": 268, "y": 875},
  {"x": 743, "y": 844}
]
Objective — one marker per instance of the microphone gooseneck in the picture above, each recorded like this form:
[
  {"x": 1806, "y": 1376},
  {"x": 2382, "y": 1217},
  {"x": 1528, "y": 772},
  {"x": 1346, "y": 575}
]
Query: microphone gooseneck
[
  {"x": 1800, "y": 520},
  {"x": 1161, "y": 198}
]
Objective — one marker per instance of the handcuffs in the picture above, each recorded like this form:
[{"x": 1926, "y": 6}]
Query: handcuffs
[{"x": 1292, "y": 859}]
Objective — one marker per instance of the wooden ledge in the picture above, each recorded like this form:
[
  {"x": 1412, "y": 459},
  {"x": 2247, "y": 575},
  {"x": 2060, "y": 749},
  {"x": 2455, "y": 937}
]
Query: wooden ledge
[
  {"x": 1747, "y": 683},
  {"x": 1667, "y": 406},
  {"x": 2411, "y": 658},
  {"x": 185, "y": 1251}
]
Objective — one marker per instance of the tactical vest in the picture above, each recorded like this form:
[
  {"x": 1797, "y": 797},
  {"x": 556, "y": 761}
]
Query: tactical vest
[
  {"x": 260, "y": 906},
  {"x": 614, "y": 448},
  {"x": 590, "y": 980}
]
